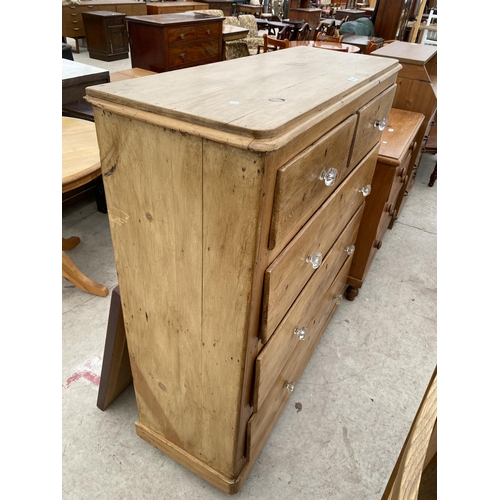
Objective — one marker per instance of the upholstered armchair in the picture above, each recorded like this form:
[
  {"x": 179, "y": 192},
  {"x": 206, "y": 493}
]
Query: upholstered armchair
[{"x": 253, "y": 40}]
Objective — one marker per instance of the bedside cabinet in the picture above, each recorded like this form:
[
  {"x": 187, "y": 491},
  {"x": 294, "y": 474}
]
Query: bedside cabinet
[
  {"x": 417, "y": 92},
  {"x": 233, "y": 213},
  {"x": 391, "y": 174},
  {"x": 106, "y": 33}
]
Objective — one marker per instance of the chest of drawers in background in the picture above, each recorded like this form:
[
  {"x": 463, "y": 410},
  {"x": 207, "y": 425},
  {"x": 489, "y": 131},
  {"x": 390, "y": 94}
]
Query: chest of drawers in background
[
  {"x": 174, "y": 7},
  {"x": 165, "y": 42},
  {"x": 106, "y": 34},
  {"x": 233, "y": 214},
  {"x": 72, "y": 20},
  {"x": 417, "y": 92},
  {"x": 391, "y": 174}
]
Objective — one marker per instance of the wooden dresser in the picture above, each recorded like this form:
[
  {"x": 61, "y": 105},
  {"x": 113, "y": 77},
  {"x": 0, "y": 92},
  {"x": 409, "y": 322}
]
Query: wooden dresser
[
  {"x": 391, "y": 174},
  {"x": 165, "y": 42},
  {"x": 106, "y": 33},
  {"x": 233, "y": 213},
  {"x": 174, "y": 7},
  {"x": 417, "y": 91},
  {"x": 72, "y": 21}
]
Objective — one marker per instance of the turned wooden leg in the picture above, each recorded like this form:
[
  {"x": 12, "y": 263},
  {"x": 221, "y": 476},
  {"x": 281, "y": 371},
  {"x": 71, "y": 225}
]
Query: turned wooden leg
[
  {"x": 77, "y": 278},
  {"x": 69, "y": 243},
  {"x": 433, "y": 176},
  {"x": 351, "y": 293}
]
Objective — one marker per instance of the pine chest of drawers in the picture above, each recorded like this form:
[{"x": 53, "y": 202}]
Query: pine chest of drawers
[
  {"x": 233, "y": 208},
  {"x": 165, "y": 42},
  {"x": 392, "y": 171}
]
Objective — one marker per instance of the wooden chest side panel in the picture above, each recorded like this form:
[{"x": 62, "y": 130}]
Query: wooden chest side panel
[
  {"x": 153, "y": 182},
  {"x": 232, "y": 199}
]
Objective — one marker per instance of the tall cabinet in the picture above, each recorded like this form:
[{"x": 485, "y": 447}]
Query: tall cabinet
[{"x": 233, "y": 215}]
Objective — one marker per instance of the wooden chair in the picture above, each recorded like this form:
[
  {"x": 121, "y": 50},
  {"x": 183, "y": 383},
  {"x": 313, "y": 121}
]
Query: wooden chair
[
  {"x": 304, "y": 33},
  {"x": 322, "y": 37},
  {"x": 285, "y": 33},
  {"x": 370, "y": 47},
  {"x": 275, "y": 44}
]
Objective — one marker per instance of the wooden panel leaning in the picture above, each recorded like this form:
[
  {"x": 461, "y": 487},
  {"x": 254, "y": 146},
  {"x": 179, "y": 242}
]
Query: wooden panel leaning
[{"x": 191, "y": 180}]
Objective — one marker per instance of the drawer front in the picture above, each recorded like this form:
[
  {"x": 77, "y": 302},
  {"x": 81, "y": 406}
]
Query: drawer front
[
  {"x": 115, "y": 21},
  {"x": 262, "y": 422},
  {"x": 180, "y": 56},
  {"x": 290, "y": 271},
  {"x": 208, "y": 31},
  {"x": 370, "y": 124},
  {"x": 304, "y": 183},
  {"x": 180, "y": 35},
  {"x": 295, "y": 326}
]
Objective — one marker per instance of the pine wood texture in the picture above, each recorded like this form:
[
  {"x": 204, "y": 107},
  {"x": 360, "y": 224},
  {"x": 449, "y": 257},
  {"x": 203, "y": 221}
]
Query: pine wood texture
[
  {"x": 419, "y": 451},
  {"x": 190, "y": 183}
]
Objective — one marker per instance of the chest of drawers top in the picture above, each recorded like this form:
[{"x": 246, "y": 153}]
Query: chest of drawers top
[{"x": 262, "y": 98}]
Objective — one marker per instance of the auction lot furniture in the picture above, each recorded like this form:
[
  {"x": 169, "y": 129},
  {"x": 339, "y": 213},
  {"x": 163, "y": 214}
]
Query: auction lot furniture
[
  {"x": 417, "y": 91},
  {"x": 165, "y": 42},
  {"x": 391, "y": 174},
  {"x": 107, "y": 38},
  {"x": 72, "y": 20},
  {"x": 233, "y": 213},
  {"x": 174, "y": 7}
]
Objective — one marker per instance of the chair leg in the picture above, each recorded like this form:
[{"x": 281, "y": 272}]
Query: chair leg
[
  {"x": 70, "y": 243},
  {"x": 77, "y": 278},
  {"x": 433, "y": 176}
]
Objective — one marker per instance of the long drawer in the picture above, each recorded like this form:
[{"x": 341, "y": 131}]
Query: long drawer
[
  {"x": 262, "y": 422},
  {"x": 180, "y": 56},
  {"x": 294, "y": 328},
  {"x": 290, "y": 271}
]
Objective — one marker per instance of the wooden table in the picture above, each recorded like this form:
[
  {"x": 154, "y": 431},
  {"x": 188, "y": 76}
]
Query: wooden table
[
  {"x": 230, "y": 32},
  {"x": 80, "y": 165},
  {"x": 340, "y": 47}
]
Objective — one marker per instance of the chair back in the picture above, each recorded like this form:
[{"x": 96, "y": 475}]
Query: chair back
[
  {"x": 285, "y": 33},
  {"x": 304, "y": 32},
  {"x": 274, "y": 44},
  {"x": 321, "y": 37},
  {"x": 248, "y": 21},
  {"x": 370, "y": 47},
  {"x": 211, "y": 12}
]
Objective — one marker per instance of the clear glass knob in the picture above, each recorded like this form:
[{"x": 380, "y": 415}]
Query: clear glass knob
[
  {"x": 350, "y": 249},
  {"x": 329, "y": 176},
  {"x": 381, "y": 124},
  {"x": 365, "y": 190},
  {"x": 315, "y": 260},
  {"x": 290, "y": 386},
  {"x": 338, "y": 300},
  {"x": 300, "y": 332}
]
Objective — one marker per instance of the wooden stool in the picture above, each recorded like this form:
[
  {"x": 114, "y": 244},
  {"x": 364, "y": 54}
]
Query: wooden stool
[{"x": 80, "y": 165}]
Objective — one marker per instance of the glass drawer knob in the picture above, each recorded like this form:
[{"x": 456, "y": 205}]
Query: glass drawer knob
[
  {"x": 182, "y": 36},
  {"x": 338, "y": 299},
  {"x": 315, "y": 260},
  {"x": 329, "y": 176},
  {"x": 381, "y": 124},
  {"x": 350, "y": 249},
  {"x": 365, "y": 190},
  {"x": 290, "y": 386},
  {"x": 209, "y": 32},
  {"x": 182, "y": 55},
  {"x": 300, "y": 332}
]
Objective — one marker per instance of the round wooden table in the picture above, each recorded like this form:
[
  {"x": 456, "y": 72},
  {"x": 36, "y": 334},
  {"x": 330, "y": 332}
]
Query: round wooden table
[
  {"x": 80, "y": 165},
  {"x": 340, "y": 47}
]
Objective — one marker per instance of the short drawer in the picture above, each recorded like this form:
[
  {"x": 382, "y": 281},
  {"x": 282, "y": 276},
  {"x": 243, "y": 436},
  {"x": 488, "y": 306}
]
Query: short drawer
[
  {"x": 177, "y": 35},
  {"x": 373, "y": 117},
  {"x": 305, "y": 182},
  {"x": 208, "y": 31},
  {"x": 294, "y": 328},
  {"x": 290, "y": 271},
  {"x": 262, "y": 422},
  {"x": 115, "y": 21}
]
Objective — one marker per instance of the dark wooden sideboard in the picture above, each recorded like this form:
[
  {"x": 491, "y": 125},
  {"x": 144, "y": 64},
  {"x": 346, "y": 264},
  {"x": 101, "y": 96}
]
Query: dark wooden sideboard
[
  {"x": 165, "y": 42},
  {"x": 72, "y": 20}
]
